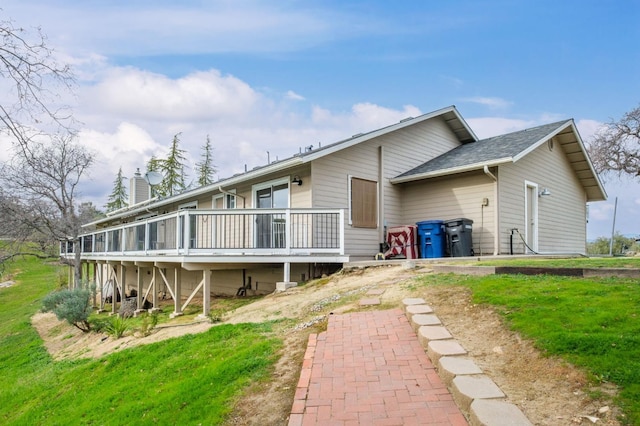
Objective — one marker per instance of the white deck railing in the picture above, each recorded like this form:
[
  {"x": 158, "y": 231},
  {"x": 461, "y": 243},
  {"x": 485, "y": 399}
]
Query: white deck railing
[{"x": 221, "y": 232}]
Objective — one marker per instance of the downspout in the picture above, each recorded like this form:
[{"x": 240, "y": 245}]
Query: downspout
[
  {"x": 496, "y": 214},
  {"x": 382, "y": 222},
  {"x": 234, "y": 195}
]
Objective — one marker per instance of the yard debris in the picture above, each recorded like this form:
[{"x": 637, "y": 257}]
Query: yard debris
[
  {"x": 6, "y": 284},
  {"x": 592, "y": 419},
  {"x": 310, "y": 323}
]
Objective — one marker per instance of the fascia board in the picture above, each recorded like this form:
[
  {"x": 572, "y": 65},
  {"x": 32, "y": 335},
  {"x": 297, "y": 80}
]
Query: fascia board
[
  {"x": 586, "y": 156},
  {"x": 534, "y": 146},
  {"x": 452, "y": 170},
  {"x": 282, "y": 165},
  {"x": 562, "y": 127},
  {"x": 380, "y": 132}
]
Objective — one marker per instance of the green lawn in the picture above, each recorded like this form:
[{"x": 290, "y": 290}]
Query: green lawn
[
  {"x": 187, "y": 380},
  {"x": 577, "y": 262},
  {"x": 592, "y": 323}
]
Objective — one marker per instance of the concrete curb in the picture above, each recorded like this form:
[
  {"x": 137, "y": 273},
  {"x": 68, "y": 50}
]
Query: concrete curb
[{"x": 480, "y": 399}]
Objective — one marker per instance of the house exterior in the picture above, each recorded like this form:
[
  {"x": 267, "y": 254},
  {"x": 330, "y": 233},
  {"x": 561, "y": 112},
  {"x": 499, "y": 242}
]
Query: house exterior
[{"x": 297, "y": 218}]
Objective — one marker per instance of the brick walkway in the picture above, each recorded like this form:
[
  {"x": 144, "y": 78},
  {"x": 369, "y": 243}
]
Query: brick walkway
[{"x": 368, "y": 368}]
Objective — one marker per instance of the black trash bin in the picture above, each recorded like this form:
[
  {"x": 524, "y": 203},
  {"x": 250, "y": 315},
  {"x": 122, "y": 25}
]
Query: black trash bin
[
  {"x": 432, "y": 238},
  {"x": 459, "y": 241}
]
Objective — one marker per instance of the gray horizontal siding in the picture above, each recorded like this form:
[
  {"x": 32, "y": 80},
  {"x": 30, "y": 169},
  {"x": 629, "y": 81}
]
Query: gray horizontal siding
[
  {"x": 402, "y": 150},
  {"x": 561, "y": 216},
  {"x": 452, "y": 198}
]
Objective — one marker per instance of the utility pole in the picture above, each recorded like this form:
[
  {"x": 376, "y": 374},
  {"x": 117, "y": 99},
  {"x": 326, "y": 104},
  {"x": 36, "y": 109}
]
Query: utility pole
[{"x": 613, "y": 228}]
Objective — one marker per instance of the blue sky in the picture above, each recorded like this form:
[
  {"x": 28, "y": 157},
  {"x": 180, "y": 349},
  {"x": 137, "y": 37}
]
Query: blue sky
[{"x": 274, "y": 76}]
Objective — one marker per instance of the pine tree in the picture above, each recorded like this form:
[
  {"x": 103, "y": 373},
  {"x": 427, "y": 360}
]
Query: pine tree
[
  {"x": 205, "y": 168},
  {"x": 154, "y": 165},
  {"x": 173, "y": 170},
  {"x": 118, "y": 198}
]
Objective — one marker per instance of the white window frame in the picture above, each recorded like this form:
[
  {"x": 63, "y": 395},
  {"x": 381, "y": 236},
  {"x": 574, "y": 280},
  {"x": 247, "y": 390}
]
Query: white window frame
[
  {"x": 269, "y": 184},
  {"x": 225, "y": 199}
]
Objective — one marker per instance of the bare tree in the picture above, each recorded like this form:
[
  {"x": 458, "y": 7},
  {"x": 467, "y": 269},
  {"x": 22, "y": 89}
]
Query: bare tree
[
  {"x": 616, "y": 147},
  {"x": 40, "y": 189},
  {"x": 37, "y": 80},
  {"x": 39, "y": 183}
]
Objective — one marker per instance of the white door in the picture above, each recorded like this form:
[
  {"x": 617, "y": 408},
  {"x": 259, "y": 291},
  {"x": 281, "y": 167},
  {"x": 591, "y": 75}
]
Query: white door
[
  {"x": 270, "y": 229},
  {"x": 531, "y": 217}
]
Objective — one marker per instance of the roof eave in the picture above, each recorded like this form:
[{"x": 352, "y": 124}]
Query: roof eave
[
  {"x": 602, "y": 196},
  {"x": 541, "y": 141},
  {"x": 451, "y": 171},
  {"x": 271, "y": 168},
  {"x": 392, "y": 128}
]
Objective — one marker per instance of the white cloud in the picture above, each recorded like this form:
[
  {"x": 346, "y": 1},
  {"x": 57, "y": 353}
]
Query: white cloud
[
  {"x": 153, "y": 28},
  {"x": 363, "y": 117},
  {"x": 601, "y": 211},
  {"x": 130, "y": 115},
  {"x": 588, "y": 128},
  {"x": 486, "y": 127},
  {"x": 128, "y": 146},
  {"x": 137, "y": 94},
  {"x": 294, "y": 96},
  {"x": 492, "y": 103}
]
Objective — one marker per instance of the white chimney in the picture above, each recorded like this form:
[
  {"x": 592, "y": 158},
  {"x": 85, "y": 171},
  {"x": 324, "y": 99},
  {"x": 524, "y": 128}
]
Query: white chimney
[{"x": 139, "y": 190}]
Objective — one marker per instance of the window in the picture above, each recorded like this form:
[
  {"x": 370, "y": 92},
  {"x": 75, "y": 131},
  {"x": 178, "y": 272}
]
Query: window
[
  {"x": 271, "y": 195},
  {"x": 192, "y": 224},
  {"x": 230, "y": 201},
  {"x": 364, "y": 203},
  {"x": 271, "y": 227},
  {"x": 224, "y": 201}
]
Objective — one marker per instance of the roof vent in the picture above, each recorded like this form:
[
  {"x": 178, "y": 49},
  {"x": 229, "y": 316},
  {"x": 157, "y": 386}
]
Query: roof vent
[
  {"x": 357, "y": 134},
  {"x": 308, "y": 148},
  {"x": 406, "y": 119}
]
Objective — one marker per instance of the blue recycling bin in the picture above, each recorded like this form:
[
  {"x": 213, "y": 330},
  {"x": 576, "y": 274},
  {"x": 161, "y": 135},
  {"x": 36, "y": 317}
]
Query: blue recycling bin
[{"x": 431, "y": 237}]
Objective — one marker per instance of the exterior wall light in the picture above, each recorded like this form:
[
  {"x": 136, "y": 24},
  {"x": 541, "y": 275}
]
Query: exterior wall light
[
  {"x": 544, "y": 192},
  {"x": 296, "y": 179}
]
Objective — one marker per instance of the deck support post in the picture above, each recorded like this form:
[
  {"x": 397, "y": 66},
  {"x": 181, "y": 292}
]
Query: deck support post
[
  {"x": 177, "y": 291},
  {"x": 139, "y": 286},
  {"x": 99, "y": 269},
  {"x": 94, "y": 287},
  {"x": 154, "y": 289},
  {"x": 287, "y": 283},
  {"x": 206, "y": 293}
]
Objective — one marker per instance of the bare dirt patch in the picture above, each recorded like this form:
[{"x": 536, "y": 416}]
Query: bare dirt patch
[
  {"x": 548, "y": 390},
  {"x": 64, "y": 341}
]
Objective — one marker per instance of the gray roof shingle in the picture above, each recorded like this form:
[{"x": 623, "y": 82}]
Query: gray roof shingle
[{"x": 485, "y": 151}]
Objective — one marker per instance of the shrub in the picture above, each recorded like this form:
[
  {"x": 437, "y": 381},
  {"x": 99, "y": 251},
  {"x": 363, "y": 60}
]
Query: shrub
[
  {"x": 117, "y": 327},
  {"x": 149, "y": 321},
  {"x": 73, "y": 306},
  {"x": 99, "y": 324}
]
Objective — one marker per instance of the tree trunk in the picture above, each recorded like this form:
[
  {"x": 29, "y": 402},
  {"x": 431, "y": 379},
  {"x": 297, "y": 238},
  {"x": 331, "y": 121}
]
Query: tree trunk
[{"x": 77, "y": 264}]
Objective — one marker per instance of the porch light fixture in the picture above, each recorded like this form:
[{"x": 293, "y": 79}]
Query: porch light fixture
[
  {"x": 296, "y": 179},
  {"x": 544, "y": 192}
]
